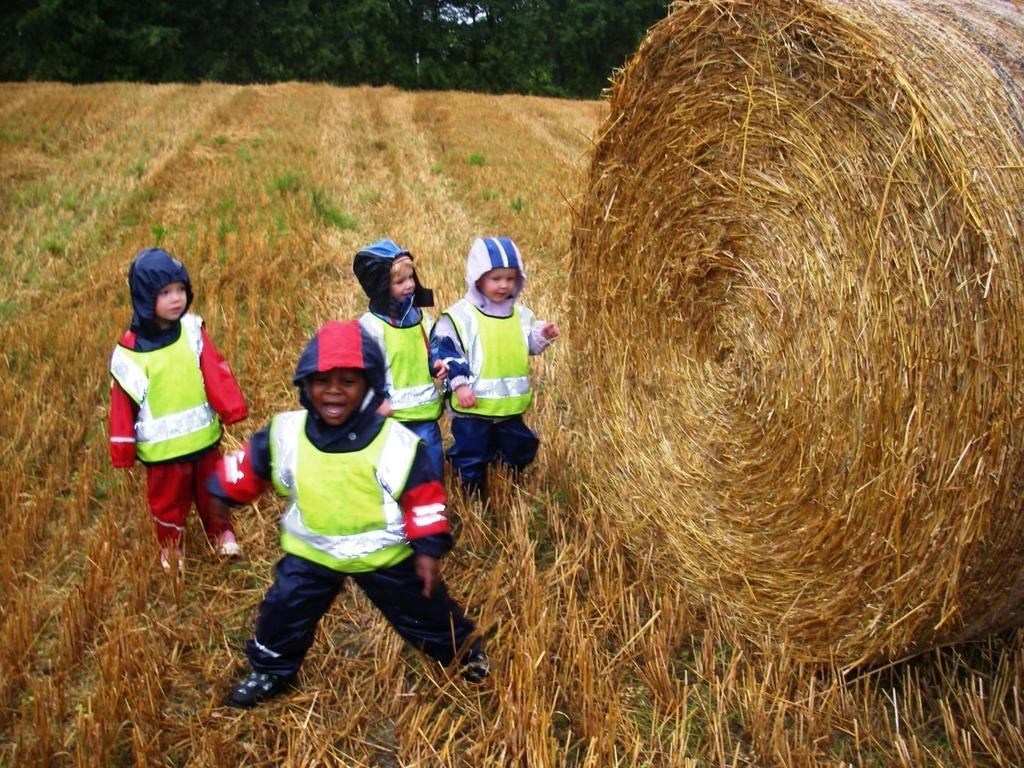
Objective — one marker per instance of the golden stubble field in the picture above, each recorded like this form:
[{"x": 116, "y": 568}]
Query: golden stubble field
[{"x": 265, "y": 192}]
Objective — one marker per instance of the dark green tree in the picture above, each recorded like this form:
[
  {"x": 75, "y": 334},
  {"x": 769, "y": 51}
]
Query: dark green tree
[{"x": 549, "y": 47}]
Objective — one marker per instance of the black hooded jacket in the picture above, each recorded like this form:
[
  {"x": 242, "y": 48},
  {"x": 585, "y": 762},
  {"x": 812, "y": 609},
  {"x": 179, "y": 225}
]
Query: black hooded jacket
[
  {"x": 372, "y": 267},
  {"x": 151, "y": 270}
]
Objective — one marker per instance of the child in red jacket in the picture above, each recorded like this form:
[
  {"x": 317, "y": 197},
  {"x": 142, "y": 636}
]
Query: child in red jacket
[{"x": 171, "y": 391}]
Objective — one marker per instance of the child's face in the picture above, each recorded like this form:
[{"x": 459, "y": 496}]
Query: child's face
[
  {"x": 170, "y": 304},
  {"x": 498, "y": 284},
  {"x": 337, "y": 394},
  {"x": 402, "y": 282}
]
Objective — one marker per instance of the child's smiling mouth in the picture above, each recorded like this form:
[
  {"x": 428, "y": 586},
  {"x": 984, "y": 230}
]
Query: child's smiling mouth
[{"x": 334, "y": 410}]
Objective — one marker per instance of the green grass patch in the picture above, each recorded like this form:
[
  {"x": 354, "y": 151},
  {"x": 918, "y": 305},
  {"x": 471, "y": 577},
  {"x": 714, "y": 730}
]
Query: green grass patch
[
  {"x": 476, "y": 159},
  {"x": 225, "y": 228},
  {"x": 286, "y": 183},
  {"x": 369, "y": 196},
  {"x": 8, "y": 310},
  {"x": 226, "y": 205},
  {"x": 327, "y": 212},
  {"x": 12, "y": 137},
  {"x": 31, "y": 195},
  {"x": 146, "y": 195},
  {"x": 517, "y": 204},
  {"x": 54, "y": 245}
]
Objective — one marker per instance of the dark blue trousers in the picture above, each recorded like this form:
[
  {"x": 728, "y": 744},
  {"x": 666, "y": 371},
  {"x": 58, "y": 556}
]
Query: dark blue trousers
[
  {"x": 303, "y": 592},
  {"x": 478, "y": 442},
  {"x": 430, "y": 433}
]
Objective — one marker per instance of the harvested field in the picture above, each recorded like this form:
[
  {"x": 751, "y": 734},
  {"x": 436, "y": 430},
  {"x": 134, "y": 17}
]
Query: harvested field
[{"x": 603, "y": 655}]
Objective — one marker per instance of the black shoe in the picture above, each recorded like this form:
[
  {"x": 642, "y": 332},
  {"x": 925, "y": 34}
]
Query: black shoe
[
  {"x": 257, "y": 688},
  {"x": 475, "y": 667}
]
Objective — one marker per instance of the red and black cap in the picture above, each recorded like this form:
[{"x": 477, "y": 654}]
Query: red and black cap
[{"x": 342, "y": 345}]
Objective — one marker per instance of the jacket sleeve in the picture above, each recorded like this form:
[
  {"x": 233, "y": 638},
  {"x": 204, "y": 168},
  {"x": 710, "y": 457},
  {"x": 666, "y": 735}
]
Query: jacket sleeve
[
  {"x": 242, "y": 476},
  {"x": 537, "y": 342},
  {"x": 446, "y": 341},
  {"x": 222, "y": 389},
  {"x": 122, "y": 427},
  {"x": 423, "y": 505}
]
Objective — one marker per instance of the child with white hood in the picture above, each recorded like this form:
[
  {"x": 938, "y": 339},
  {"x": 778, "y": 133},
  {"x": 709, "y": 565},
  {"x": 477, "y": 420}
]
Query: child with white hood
[{"x": 486, "y": 340}]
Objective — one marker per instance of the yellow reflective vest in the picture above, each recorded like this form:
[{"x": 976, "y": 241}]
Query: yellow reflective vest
[
  {"x": 174, "y": 418},
  {"x": 412, "y": 392},
  {"x": 497, "y": 350},
  {"x": 344, "y": 512}
]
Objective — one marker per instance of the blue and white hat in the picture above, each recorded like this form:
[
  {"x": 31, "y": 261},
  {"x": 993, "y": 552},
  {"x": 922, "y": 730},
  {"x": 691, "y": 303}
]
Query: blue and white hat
[{"x": 489, "y": 253}]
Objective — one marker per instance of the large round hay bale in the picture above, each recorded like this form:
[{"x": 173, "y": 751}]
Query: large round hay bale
[{"x": 798, "y": 262}]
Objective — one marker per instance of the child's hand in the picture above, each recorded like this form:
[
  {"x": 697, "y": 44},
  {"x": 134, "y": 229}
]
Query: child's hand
[
  {"x": 440, "y": 369},
  {"x": 385, "y": 409},
  {"x": 465, "y": 397},
  {"x": 550, "y": 331},
  {"x": 429, "y": 571}
]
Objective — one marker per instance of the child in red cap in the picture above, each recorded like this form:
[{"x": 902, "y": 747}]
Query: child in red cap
[{"x": 365, "y": 503}]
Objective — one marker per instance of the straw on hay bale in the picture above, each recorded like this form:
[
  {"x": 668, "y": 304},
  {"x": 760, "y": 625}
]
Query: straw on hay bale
[{"x": 798, "y": 262}]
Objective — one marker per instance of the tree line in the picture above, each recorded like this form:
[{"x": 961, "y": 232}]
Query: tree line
[{"x": 543, "y": 47}]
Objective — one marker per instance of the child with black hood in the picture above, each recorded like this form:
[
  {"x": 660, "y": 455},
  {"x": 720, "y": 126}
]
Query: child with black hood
[
  {"x": 365, "y": 503},
  {"x": 170, "y": 393},
  {"x": 398, "y": 324}
]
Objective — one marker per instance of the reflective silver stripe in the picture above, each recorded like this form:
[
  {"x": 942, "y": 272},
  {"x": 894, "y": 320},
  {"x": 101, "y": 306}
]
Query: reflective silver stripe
[
  {"x": 262, "y": 647},
  {"x": 193, "y": 326},
  {"x": 513, "y": 387},
  {"x": 122, "y": 439},
  {"x": 428, "y": 514},
  {"x": 151, "y": 430},
  {"x": 158, "y": 521},
  {"x": 342, "y": 547},
  {"x": 396, "y": 459},
  {"x": 286, "y": 442},
  {"x": 463, "y": 312},
  {"x": 373, "y": 326},
  {"x": 412, "y": 396},
  {"x": 525, "y": 323},
  {"x": 129, "y": 375}
]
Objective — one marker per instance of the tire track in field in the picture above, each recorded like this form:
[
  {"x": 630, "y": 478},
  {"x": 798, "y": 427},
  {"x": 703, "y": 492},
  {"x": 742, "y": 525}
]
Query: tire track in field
[
  {"x": 413, "y": 149},
  {"x": 374, "y": 171},
  {"x": 199, "y": 177},
  {"x": 78, "y": 182},
  {"x": 516, "y": 177},
  {"x": 79, "y": 550},
  {"x": 398, "y": 192},
  {"x": 516, "y": 174},
  {"x": 55, "y": 360}
]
